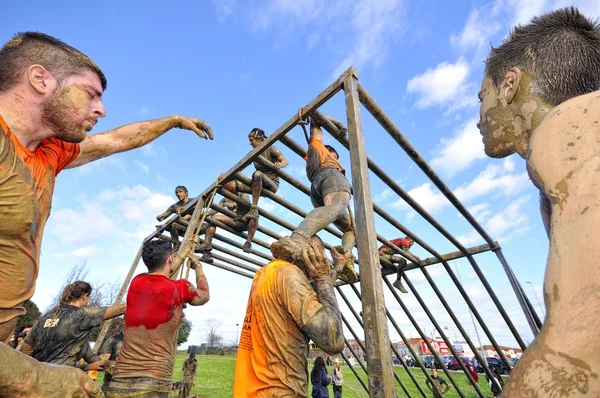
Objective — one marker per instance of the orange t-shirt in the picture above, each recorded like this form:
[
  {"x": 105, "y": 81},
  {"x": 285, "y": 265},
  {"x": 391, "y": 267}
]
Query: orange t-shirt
[
  {"x": 26, "y": 187},
  {"x": 273, "y": 350},
  {"x": 318, "y": 158}
]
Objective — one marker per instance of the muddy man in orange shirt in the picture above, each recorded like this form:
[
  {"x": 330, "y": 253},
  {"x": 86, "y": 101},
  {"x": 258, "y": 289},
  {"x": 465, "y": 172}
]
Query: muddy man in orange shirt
[
  {"x": 50, "y": 97},
  {"x": 284, "y": 312}
]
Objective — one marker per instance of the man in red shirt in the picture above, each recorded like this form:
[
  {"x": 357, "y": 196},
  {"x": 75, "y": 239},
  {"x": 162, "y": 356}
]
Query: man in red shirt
[
  {"x": 154, "y": 307},
  {"x": 389, "y": 254}
]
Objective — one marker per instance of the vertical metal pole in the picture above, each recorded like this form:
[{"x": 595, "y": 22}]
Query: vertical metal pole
[
  {"x": 379, "y": 364},
  {"x": 118, "y": 299}
]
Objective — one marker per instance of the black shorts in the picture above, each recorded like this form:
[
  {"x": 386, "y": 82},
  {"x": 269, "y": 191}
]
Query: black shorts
[{"x": 329, "y": 180}]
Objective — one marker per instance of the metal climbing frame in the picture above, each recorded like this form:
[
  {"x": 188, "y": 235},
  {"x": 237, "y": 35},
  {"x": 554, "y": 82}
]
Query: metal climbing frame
[{"x": 374, "y": 317}]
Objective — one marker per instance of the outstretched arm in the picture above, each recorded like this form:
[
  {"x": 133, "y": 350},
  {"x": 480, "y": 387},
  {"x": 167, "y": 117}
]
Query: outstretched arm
[
  {"x": 114, "y": 311},
  {"x": 135, "y": 135},
  {"x": 315, "y": 130},
  {"x": 325, "y": 327}
]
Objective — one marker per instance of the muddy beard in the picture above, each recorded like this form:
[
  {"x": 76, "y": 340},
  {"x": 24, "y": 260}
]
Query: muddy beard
[{"x": 55, "y": 113}]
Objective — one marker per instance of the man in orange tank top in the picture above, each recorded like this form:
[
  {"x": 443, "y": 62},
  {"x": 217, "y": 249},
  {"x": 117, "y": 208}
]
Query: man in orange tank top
[{"x": 50, "y": 97}]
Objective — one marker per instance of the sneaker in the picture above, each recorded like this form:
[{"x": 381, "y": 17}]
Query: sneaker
[
  {"x": 347, "y": 272},
  {"x": 207, "y": 258},
  {"x": 203, "y": 247},
  {"x": 398, "y": 285},
  {"x": 247, "y": 247},
  {"x": 252, "y": 213},
  {"x": 289, "y": 249}
]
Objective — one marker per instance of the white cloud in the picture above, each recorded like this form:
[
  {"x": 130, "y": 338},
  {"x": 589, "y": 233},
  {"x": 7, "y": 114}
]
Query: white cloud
[
  {"x": 475, "y": 33},
  {"x": 446, "y": 85},
  {"x": 224, "y": 7},
  {"x": 383, "y": 195},
  {"x": 427, "y": 196},
  {"x": 503, "y": 225},
  {"x": 459, "y": 151},
  {"x": 143, "y": 166},
  {"x": 83, "y": 225},
  {"x": 85, "y": 252},
  {"x": 480, "y": 211},
  {"x": 376, "y": 24},
  {"x": 493, "y": 179}
]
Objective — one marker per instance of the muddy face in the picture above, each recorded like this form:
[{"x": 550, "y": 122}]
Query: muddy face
[
  {"x": 181, "y": 194},
  {"x": 504, "y": 127},
  {"x": 74, "y": 107},
  {"x": 254, "y": 142}
]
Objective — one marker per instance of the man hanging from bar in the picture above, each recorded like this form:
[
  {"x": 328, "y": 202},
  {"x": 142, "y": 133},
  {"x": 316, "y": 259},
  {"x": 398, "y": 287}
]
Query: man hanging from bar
[
  {"x": 240, "y": 223},
  {"x": 330, "y": 195},
  {"x": 177, "y": 229},
  {"x": 539, "y": 98},
  {"x": 284, "y": 313}
]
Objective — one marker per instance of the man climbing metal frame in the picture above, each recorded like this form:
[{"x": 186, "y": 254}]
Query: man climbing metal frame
[
  {"x": 330, "y": 194},
  {"x": 177, "y": 229},
  {"x": 241, "y": 222},
  {"x": 264, "y": 177},
  {"x": 389, "y": 254}
]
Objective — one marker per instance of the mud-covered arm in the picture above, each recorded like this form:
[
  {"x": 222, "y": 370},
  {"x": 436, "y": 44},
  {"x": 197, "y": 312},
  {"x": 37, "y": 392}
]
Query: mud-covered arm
[
  {"x": 166, "y": 213},
  {"x": 135, "y": 135},
  {"x": 114, "y": 311},
  {"x": 21, "y": 375},
  {"x": 325, "y": 327},
  {"x": 280, "y": 159},
  {"x": 202, "y": 293},
  {"x": 316, "y": 133}
]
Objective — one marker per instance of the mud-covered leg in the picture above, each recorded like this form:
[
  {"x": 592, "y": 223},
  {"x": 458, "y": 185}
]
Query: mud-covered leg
[
  {"x": 401, "y": 263},
  {"x": 347, "y": 273},
  {"x": 252, "y": 226},
  {"x": 289, "y": 248}
]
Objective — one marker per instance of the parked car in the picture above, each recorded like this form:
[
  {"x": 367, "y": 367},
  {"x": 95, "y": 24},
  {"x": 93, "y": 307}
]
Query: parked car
[
  {"x": 513, "y": 361},
  {"x": 430, "y": 362},
  {"x": 446, "y": 359},
  {"x": 454, "y": 365},
  {"x": 497, "y": 364}
]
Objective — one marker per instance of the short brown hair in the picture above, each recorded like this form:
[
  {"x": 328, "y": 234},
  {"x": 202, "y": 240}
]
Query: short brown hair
[
  {"x": 30, "y": 48},
  {"x": 560, "y": 49}
]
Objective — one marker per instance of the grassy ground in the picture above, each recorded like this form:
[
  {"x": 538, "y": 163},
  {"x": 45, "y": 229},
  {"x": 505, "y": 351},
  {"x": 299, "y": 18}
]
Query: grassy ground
[{"x": 215, "y": 379}]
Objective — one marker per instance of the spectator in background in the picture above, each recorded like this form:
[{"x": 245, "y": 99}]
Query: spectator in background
[
  {"x": 337, "y": 379},
  {"x": 319, "y": 379}
]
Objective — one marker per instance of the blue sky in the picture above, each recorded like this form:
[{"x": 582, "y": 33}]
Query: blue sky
[{"x": 245, "y": 64}]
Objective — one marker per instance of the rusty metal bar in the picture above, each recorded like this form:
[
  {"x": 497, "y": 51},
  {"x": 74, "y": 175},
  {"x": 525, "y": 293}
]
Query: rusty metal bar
[
  {"x": 376, "y": 332},
  {"x": 354, "y": 371},
  {"x": 360, "y": 322},
  {"x": 412, "y": 351},
  {"x": 359, "y": 362},
  {"x": 237, "y": 255},
  {"x": 231, "y": 242},
  {"x": 118, "y": 299},
  {"x": 231, "y": 269},
  {"x": 387, "y": 124},
  {"x": 423, "y": 336},
  {"x": 233, "y": 262}
]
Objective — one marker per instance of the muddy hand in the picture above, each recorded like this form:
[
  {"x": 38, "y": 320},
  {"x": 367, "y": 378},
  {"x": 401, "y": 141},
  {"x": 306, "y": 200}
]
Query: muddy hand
[
  {"x": 198, "y": 126},
  {"x": 316, "y": 263},
  {"x": 65, "y": 382},
  {"x": 339, "y": 258}
]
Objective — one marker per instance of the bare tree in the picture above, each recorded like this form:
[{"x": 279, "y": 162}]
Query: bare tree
[{"x": 214, "y": 339}]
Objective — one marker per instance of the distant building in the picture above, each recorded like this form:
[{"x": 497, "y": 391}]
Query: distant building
[{"x": 508, "y": 352}]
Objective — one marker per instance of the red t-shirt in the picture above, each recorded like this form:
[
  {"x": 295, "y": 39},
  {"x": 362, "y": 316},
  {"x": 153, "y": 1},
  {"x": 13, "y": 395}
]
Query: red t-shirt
[
  {"x": 154, "y": 306},
  {"x": 400, "y": 242}
]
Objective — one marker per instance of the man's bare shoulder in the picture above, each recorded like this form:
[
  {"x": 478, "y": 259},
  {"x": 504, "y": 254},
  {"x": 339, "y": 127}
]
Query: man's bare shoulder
[{"x": 567, "y": 138}]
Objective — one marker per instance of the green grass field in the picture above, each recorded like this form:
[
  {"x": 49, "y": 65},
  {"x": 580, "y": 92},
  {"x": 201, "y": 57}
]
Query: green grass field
[{"x": 215, "y": 379}]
